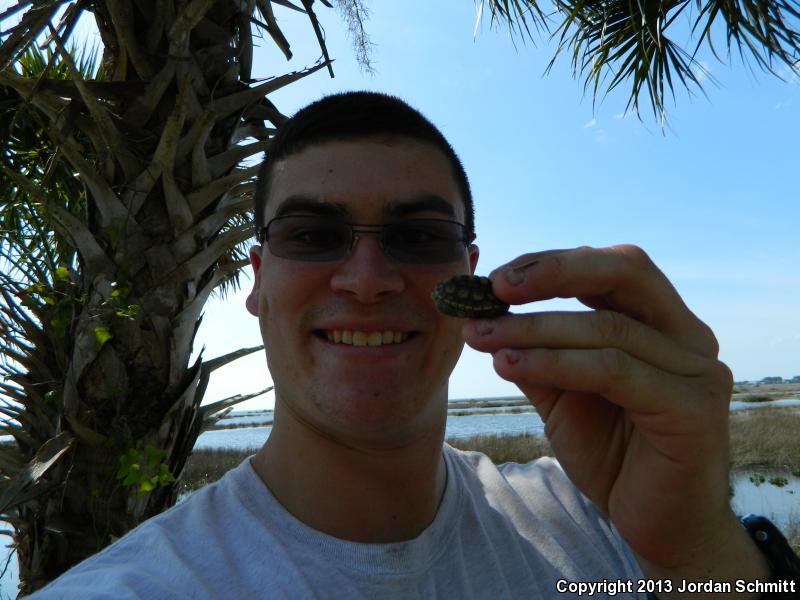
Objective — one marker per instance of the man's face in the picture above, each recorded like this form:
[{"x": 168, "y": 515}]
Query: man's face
[{"x": 384, "y": 394}]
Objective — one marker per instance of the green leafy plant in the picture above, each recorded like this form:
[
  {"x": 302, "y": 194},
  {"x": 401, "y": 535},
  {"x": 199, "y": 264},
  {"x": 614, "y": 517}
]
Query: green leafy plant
[{"x": 144, "y": 467}]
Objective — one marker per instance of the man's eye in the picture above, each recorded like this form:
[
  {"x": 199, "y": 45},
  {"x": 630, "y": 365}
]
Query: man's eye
[
  {"x": 412, "y": 235},
  {"x": 316, "y": 236}
]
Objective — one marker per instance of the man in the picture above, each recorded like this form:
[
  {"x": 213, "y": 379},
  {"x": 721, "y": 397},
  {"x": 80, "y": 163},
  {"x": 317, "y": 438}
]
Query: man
[{"x": 362, "y": 208}]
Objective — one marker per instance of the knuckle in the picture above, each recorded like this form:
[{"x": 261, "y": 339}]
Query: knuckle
[
  {"x": 716, "y": 389},
  {"x": 711, "y": 342},
  {"x": 615, "y": 364},
  {"x": 637, "y": 257},
  {"x": 612, "y": 327},
  {"x": 722, "y": 377},
  {"x": 559, "y": 266}
]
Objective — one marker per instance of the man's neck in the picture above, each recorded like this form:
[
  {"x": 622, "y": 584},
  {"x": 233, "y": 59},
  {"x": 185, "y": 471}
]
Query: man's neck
[{"x": 358, "y": 494}]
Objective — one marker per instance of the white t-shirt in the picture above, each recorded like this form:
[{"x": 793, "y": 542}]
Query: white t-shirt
[{"x": 507, "y": 532}]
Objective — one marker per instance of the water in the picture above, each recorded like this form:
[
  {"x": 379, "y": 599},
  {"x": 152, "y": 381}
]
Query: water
[
  {"x": 248, "y": 419},
  {"x": 244, "y": 438},
  {"x": 779, "y": 504},
  {"x": 251, "y": 438},
  {"x": 785, "y": 403},
  {"x": 500, "y": 423},
  {"x": 9, "y": 581}
]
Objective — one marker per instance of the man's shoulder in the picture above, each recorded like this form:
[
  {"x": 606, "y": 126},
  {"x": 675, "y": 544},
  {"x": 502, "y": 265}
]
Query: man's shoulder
[
  {"x": 539, "y": 487},
  {"x": 538, "y": 503},
  {"x": 545, "y": 469}
]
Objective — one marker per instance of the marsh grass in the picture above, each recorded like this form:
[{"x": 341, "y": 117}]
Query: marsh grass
[
  {"x": 499, "y": 411},
  {"x": 756, "y": 398},
  {"x": 520, "y": 448},
  {"x": 221, "y": 425},
  {"x": 206, "y": 466},
  {"x": 765, "y": 437}
]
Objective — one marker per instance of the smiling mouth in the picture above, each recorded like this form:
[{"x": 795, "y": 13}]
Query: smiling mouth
[{"x": 365, "y": 338}]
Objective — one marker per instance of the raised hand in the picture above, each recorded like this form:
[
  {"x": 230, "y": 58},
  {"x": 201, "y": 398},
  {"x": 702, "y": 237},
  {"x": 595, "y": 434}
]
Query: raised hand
[{"x": 633, "y": 396}]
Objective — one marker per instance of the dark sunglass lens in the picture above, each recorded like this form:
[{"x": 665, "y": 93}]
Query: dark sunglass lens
[
  {"x": 308, "y": 238},
  {"x": 425, "y": 241}
]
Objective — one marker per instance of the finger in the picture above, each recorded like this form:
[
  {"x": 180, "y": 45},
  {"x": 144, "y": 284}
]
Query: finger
[
  {"x": 621, "y": 278},
  {"x": 584, "y": 330},
  {"x": 621, "y": 379}
]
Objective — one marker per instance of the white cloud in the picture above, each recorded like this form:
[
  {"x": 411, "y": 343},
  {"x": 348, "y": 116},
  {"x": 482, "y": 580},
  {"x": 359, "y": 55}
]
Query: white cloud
[{"x": 590, "y": 124}]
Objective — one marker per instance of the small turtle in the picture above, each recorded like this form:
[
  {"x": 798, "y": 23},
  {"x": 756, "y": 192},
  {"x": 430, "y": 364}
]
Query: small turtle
[{"x": 469, "y": 297}]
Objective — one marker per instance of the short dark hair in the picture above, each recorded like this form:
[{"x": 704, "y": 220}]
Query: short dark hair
[{"x": 353, "y": 115}]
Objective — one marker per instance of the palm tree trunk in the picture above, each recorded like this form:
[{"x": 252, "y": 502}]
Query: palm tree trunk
[{"x": 106, "y": 406}]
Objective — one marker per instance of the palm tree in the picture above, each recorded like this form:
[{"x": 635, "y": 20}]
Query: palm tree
[
  {"x": 616, "y": 41},
  {"x": 125, "y": 204}
]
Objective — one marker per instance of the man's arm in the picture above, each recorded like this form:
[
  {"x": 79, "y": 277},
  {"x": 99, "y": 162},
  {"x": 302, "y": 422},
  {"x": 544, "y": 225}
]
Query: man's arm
[
  {"x": 734, "y": 557},
  {"x": 635, "y": 403}
]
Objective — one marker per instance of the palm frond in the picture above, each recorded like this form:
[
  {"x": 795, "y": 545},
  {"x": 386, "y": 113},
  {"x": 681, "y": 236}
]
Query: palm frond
[
  {"x": 518, "y": 16},
  {"x": 616, "y": 42},
  {"x": 766, "y": 29}
]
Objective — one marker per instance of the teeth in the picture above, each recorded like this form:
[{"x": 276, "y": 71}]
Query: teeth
[{"x": 364, "y": 338}]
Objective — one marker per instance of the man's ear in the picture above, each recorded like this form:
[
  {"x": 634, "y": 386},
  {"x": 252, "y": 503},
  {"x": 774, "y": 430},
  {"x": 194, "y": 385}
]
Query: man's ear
[
  {"x": 473, "y": 258},
  {"x": 252, "y": 298}
]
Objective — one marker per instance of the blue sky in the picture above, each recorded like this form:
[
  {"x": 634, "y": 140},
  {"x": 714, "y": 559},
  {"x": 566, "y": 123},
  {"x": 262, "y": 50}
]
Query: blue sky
[{"x": 713, "y": 200}]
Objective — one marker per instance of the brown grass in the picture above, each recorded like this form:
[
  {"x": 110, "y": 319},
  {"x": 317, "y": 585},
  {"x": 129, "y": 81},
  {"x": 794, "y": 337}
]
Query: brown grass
[
  {"x": 520, "y": 448},
  {"x": 206, "y": 466},
  {"x": 765, "y": 437}
]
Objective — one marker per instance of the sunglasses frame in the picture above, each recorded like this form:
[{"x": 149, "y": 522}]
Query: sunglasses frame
[{"x": 358, "y": 229}]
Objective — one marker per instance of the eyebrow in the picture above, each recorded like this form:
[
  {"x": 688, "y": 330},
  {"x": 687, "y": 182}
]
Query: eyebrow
[
  {"x": 422, "y": 203},
  {"x": 309, "y": 204},
  {"x": 395, "y": 210}
]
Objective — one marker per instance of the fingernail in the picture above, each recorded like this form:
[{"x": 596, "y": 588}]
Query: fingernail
[
  {"x": 512, "y": 357},
  {"x": 483, "y": 327},
  {"x": 516, "y": 275}
]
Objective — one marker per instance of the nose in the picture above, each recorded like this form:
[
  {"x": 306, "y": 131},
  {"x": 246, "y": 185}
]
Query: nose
[{"x": 367, "y": 274}]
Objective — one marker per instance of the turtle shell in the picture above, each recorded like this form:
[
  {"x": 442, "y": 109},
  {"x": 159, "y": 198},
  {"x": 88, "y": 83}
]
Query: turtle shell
[{"x": 469, "y": 297}]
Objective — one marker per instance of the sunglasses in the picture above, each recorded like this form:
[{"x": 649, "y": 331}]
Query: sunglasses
[{"x": 321, "y": 239}]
